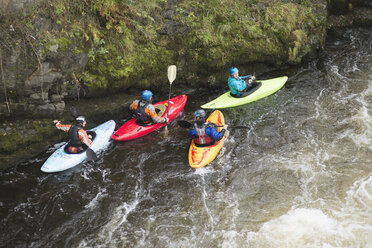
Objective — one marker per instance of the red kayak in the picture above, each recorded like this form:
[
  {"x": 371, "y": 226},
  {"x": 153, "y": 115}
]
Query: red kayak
[{"x": 131, "y": 130}]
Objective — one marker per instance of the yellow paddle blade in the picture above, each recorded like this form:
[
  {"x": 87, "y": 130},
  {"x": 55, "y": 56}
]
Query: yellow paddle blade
[
  {"x": 172, "y": 71},
  {"x": 165, "y": 133}
]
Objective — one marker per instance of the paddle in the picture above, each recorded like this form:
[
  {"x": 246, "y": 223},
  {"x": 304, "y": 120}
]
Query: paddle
[
  {"x": 74, "y": 112},
  {"x": 172, "y": 71},
  {"x": 92, "y": 156},
  {"x": 186, "y": 124}
]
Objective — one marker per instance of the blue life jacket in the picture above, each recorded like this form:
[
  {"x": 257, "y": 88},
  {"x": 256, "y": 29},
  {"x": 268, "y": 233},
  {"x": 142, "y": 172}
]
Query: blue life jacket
[{"x": 236, "y": 85}]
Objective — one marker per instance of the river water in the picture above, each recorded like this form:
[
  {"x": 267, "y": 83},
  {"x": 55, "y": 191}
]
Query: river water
[{"x": 300, "y": 176}]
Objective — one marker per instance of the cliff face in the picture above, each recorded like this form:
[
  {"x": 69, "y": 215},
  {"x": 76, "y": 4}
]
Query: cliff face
[
  {"x": 68, "y": 49},
  {"x": 65, "y": 49}
]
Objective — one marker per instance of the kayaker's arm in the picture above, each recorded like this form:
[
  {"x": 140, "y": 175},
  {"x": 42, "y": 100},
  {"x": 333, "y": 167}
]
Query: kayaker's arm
[
  {"x": 215, "y": 134},
  {"x": 63, "y": 127},
  {"x": 192, "y": 133},
  {"x": 83, "y": 136},
  {"x": 250, "y": 80},
  {"x": 134, "y": 105},
  {"x": 150, "y": 110},
  {"x": 249, "y": 77}
]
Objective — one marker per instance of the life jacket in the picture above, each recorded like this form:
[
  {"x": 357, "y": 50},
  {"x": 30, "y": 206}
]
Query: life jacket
[
  {"x": 202, "y": 138},
  {"x": 73, "y": 135},
  {"x": 141, "y": 115}
]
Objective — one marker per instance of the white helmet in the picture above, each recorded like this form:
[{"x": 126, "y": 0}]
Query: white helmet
[{"x": 80, "y": 119}]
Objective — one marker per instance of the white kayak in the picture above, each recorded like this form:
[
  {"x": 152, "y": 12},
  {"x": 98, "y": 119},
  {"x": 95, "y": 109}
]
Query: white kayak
[{"x": 60, "y": 160}]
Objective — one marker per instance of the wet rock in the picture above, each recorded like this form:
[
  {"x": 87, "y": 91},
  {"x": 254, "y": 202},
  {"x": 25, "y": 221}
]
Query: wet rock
[
  {"x": 358, "y": 17},
  {"x": 338, "y": 6},
  {"x": 56, "y": 98},
  {"x": 59, "y": 108},
  {"x": 169, "y": 14},
  {"x": 42, "y": 79},
  {"x": 45, "y": 110},
  {"x": 363, "y": 17},
  {"x": 20, "y": 107},
  {"x": 39, "y": 98}
]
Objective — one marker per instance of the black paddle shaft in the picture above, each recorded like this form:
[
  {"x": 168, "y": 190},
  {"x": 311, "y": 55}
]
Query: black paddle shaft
[{"x": 186, "y": 124}]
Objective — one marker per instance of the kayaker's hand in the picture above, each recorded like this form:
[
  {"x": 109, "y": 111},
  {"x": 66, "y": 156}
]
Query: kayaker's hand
[
  {"x": 166, "y": 120},
  {"x": 227, "y": 133},
  {"x": 250, "y": 81},
  {"x": 55, "y": 121},
  {"x": 253, "y": 78},
  {"x": 225, "y": 126}
]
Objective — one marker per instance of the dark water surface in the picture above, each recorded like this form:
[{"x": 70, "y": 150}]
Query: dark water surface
[{"x": 300, "y": 176}]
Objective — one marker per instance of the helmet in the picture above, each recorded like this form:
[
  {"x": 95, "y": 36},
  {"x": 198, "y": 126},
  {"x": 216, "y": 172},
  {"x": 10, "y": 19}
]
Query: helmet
[
  {"x": 200, "y": 113},
  {"x": 146, "y": 95},
  {"x": 232, "y": 70},
  {"x": 80, "y": 119}
]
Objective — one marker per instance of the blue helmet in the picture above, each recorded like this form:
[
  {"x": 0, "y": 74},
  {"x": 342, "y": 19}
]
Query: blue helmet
[
  {"x": 200, "y": 113},
  {"x": 232, "y": 70},
  {"x": 146, "y": 95}
]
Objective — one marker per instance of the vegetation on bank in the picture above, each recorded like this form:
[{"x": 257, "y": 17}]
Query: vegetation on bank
[
  {"x": 120, "y": 38},
  {"x": 130, "y": 43},
  {"x": 272, "y": 32}
]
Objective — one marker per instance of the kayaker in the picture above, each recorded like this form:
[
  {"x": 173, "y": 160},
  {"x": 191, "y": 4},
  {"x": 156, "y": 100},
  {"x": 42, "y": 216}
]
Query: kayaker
[
  {"x": 203, "y": 133},
  {"x": 77, "y": 135},
  {"x": 144, "y": 111},
  {"x": 239, "y": 85}
]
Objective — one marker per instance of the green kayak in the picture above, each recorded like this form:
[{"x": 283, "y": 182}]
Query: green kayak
[{"x": 262, "y": 89}]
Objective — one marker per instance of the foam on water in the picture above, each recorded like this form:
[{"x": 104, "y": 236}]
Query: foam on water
[
  {"x": 304, "y": 227},
  {"x": 204, "y": 170},
  {"x": 343, "y": 225},
  {"x": 362, "y": 121},
  {"x": 360, "y": 196},
  {"x": 94, "y": 202},
  {"x": 110, "y": 233}
]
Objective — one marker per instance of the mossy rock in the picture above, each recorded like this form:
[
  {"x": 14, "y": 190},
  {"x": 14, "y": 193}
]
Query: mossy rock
[
  {"x": 26, "y": 133},
  {"x": 11, "y": 142}
]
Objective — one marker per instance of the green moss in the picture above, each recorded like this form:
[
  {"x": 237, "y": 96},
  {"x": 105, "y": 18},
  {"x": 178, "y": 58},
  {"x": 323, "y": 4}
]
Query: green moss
[
  {"x": 300, "y": 45},
  {"x": 25, "y": 134},
  {"x": 10, "y": 143},
  {"x": 125, "y": 48},
  {"x": 226, "y": 33},
  {"x": 43, "y": 129}
]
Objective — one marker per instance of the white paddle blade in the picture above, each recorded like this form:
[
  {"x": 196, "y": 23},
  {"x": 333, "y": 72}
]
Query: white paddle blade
[{"x": 172, "y": 71}]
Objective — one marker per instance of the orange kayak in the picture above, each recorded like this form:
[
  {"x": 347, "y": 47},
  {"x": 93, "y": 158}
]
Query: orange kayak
[{"x": 201, "y": 156}]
